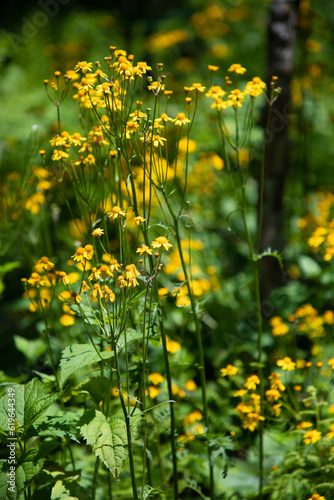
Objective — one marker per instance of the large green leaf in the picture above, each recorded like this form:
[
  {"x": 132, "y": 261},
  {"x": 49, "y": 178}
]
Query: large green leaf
[
  {"x": 31, "y": 401},
  {"x": 29, "y": 465},
  {"x": 36, "y": 401},
  {"x": 78, "y": 356},
  {"x": 108, "y": 440}
]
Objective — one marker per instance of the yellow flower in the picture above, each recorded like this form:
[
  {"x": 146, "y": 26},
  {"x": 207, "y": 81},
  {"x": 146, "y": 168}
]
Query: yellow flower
[
  {"x": 161, "y": 242},
  {"x": 59, "y": 155},
  {"x": 275, "y": 382},
  {"x": 192, "y": 418},
  {"x": 116, "y": 212},
  {"x": 98, "y": 232},
  {"x": 84, "y": 66},
  {"x": 197, "y": 86},
  {"x": 75, "y": 298},
  {"x": 190, "y": 385},
  {"x": 251, "y": 421},
  {"x": 130, "y": 274},
  {"x": 240, "y": 393},
  {"x": 312, "y": 437},
  {"x": 236, "y": 98},
  {"x": 97, "y": 292},
  {"x": 331, "y": 433},
  {"x": 144, "y": 250},
  {"x": 108, "y": 294},
  {"x": 230, "y": 370},
  {"x": 156, "y": 378},
  {"x": 213, "y": 68},
  {"x": 252, "y": 382},
  {"x": 316, "y": 496},
  {"x": 286, "y": 364},
  {"x": 67, "y": 320},
  {"x": 181, "y": 119},
  {"x": 153, "y": 391},
  {"x": 138, "y": 220},
  {"x": 121, "y": 282},
  {"x": 44, "y": 264},
  {"x": 276, "y": 410},
  {"x": 237, "y": 68},
  {"x": 272, "y": 395},
  {"x": 172, "y": 345},
  {"x": 83, "y": 253},
  {"x": 331, "y": 363}
]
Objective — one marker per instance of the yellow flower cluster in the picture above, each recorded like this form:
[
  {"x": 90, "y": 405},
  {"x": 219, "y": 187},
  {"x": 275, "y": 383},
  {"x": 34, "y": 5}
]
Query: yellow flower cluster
[
  {"x": 236, "y": 97},
  {"x": 320, "y": 220},
  {"x": 306, "y": 320}
]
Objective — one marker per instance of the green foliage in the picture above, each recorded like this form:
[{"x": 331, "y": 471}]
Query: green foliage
[
  {"x": 107, "y": 439},
  {"x": 78, "y": 356}
]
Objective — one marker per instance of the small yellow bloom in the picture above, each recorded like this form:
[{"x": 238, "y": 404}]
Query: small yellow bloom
[
  {"x": 286, "y": 364},
  {"x": 44, "y": 264},
  {"x": 192, "y": 418},
  {"x": 153, "y": 391},
  {"x": 252, "y": 382},
  {"x": 161, "y": 242},
  {"x": 156, "y": 378},
  {"x": 116, "y": 212},
  {"x": 75, "y": 298},
  {"x": 190, "y": 385},
  {"x": 84, "y": 66},
  {"x": 67, "y": 320},
  {"x": 272, "y": 395},
  {"x": 198, "y": 87},
  {"x": 83, "y": 253},
  {"x": 331, "y": 433},
  {"x": 331, "y": 363},
  {"x": 312, "y": 437},
  {"x": 144, "y": 250},
  {"x": 98, "y": 232},
  {"x": 230, "y": 370},
  {"x": 316, "y": 496},
  {"x": 237, "y": 68},
  {"x": 172, "y": 346},
  {"x": 251, "y": 421},
  {"x": 181, "y": 119},
  {"x": 138, "y": 220}
]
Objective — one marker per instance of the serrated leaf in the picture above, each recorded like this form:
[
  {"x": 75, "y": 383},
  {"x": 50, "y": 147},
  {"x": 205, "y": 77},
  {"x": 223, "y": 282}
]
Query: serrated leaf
[
  {"x": 108, "y": 440},
  {"x": 78, "y": 356},
  {"x": 36, "y": 401},
  {"x": 31, "y": 401},
  {"x": 60, "y": 492},
  {"x": 57, "y": 427},
  {"x": 28, "y": 466}
]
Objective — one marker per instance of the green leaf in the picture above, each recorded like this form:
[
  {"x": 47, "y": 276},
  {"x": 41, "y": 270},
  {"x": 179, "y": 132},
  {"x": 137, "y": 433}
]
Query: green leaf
[
  {"x": 32, "y": 349},
  {"x": 28, "y": 466},
  {"x": 31, "y": 401},
  {"x": 108, "y": 440},
  {"x": 60, "y": 492},
  {"x": 309, "y": 267},
  {"x": 98, "y": 388},
  {"x": 36, "y": 401},
  {"x": 78, "y": 356}
]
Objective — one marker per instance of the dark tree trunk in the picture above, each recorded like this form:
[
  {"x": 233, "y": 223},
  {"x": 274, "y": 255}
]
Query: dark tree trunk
[{"x": 281, "y": 41}]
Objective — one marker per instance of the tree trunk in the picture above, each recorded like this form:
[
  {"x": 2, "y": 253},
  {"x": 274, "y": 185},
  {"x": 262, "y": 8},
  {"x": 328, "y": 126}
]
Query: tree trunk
[{"x": 281, "y": 41}]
